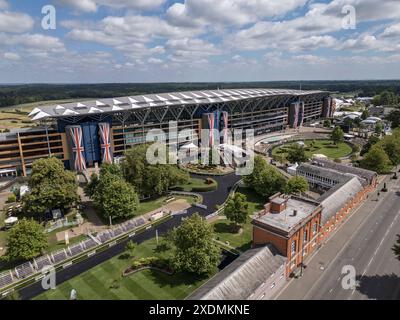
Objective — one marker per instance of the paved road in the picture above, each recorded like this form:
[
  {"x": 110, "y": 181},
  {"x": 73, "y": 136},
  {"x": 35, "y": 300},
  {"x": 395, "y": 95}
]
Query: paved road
[
  {"x": 210, "y": 199},
  {"x": 364, "y": 242}
]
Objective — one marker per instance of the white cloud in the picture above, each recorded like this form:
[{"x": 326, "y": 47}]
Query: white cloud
[
  {"x": 228, "y": 12},
  {"x": 15, "y": 22},
  {"x": 154, "y": 61},
  {"x": 31, "y": 45},
  {"x": 92, "y": 5},
  {"x": 11, "y": 56},
  {"x": 190, "y": 49},
  {"x": 310, "y": 59},
  {"x": 4, "y": 5},
  {"x": 392, "y": 31}
]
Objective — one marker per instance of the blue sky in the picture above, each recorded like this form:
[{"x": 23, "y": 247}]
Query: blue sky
[{"x": 199, "y": 40}]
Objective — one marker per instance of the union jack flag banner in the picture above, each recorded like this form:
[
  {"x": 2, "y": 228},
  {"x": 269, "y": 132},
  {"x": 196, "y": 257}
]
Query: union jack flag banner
[
  {"x": 225, "y": 119},
  {"x": 302, "y": 113},
  {"x": 105, "y": 142},
  {"x": 296, "y": 115},
  {"x": 77, "y": 148},
  {"x": 211, "y": 127}
]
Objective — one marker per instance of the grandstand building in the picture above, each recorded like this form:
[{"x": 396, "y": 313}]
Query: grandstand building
[{"x": 89, "y": 132}]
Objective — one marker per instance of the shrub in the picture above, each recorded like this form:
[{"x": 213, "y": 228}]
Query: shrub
[{"x": 11, "y": 198}]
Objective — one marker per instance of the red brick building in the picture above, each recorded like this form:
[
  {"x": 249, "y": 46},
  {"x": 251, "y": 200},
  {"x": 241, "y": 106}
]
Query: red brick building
[
  {"x": 296, "y": 226},
  {"x": 291, "y": 224}
]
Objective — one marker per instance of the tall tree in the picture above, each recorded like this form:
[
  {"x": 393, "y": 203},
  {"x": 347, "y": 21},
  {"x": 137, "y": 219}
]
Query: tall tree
[
  {"x": 376, "y": 160},
  {"x": 265, "y": 179},
  {"x": 388, "y": 98},
  {"x": 51, "y": 186},
  {"x": 365, "y": 114},
  {"x": 193, "y": 247},
  {"x": 150, "y": 179},
  {"x": 115, "y": 197},
  {"x": 378, "y": 128},
  {"x": 296, "y": 153},
  {"x": 394, "y": 118},
  {"x": 372, "y": 140},
  {"x": 26, "y": 240},
  {"x": 391, "y": 145},
  {"x": 337, "y": 135},
  {"x": 237, "y": 209},
  {"x": 296, "y": 185}
]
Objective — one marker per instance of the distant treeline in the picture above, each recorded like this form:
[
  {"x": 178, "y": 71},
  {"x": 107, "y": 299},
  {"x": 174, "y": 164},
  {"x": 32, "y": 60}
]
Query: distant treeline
[{"x": 19, "y": 94}]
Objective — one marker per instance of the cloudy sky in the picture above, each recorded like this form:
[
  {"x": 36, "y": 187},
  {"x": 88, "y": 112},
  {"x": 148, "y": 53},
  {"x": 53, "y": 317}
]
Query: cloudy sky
[{"x": 199, "y": 40}]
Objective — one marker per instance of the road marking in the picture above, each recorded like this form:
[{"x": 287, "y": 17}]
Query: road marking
[
  {"x": 380, "y": 244},
  {"x": 348, "y": 241},
  {"x": 331, "y": 236},
  {"x": 377, "y": 249}
]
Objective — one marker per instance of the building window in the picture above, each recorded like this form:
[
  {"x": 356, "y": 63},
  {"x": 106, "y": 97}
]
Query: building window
[
  {"x": 305, "y": 236},
  {"x": 293, "y": 247},
  {"x": 314, "y": 229}
]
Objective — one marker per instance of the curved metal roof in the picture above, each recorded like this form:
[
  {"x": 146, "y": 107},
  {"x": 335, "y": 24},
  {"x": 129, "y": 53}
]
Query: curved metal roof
[
  {"x": 157, "y": 100},
  {"x": 243, "y": 276}
]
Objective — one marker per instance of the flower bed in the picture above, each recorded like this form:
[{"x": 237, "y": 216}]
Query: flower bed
[{"x": 153, "y": 263}]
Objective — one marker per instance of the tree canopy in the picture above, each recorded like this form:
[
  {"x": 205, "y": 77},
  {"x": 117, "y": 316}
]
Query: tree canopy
[
  {"x": 365, "y": 114},
  {"x": 237, "y": 209},
  {"x": 51, "y": 186},
  {"x": 386, "y": 98},
  {"x": 26, "y": 240},
  {"x": 337, "y": 135},
  {"x": 115, "y": 197},
  {"x": 193, "y": 247},
  {"x": 376, "y": 159},
  {"x": 265, "y": 179},
  {"x": 296, "y": 185},
  {"x": 150, "y": 179},
  {"x": 296, "y": 153},
  {"x": 391, "y": 145},
  {"x": 378, "y": 128},
  {"x": 394, "y": 118}
]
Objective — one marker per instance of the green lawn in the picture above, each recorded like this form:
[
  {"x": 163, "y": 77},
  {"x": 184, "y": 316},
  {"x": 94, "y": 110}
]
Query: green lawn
[
  {"x": 325, "y": 147},
  {"x": 148, "y": 284},
  {"x": 242, "y": 240},
  {"x": 146, "y": 206},
  {"x": 196, "y": 185}
]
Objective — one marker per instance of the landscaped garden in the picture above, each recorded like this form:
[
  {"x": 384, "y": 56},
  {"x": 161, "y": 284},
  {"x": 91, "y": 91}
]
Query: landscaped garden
[
  {"x": 146, "y": 206},
  {"x": 326, "y": 147},
  {"x": 224, "y": 229},
  {"x": 197, "y": 185},
  {"x": 105, "y": 281},
  {"x": 206, "y": 169}
]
